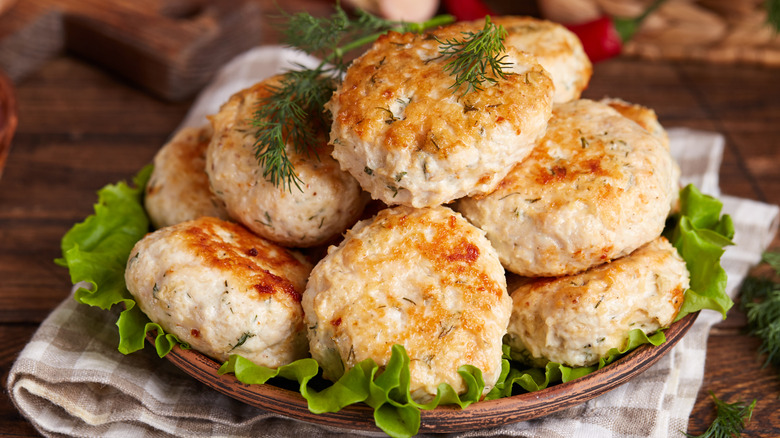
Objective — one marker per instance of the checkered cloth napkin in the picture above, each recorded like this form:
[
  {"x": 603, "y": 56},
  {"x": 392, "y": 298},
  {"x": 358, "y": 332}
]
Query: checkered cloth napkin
[{"x": 70, "y": 380}]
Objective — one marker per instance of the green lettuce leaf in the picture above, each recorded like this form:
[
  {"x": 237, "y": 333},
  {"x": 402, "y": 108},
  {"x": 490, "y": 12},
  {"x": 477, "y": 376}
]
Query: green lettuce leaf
[
  {"x": 386, "y": 390},
  {"x": 95, "y": 251},
  {"x": 700, "y": 235},
  {"x": 535, "y": 379}
]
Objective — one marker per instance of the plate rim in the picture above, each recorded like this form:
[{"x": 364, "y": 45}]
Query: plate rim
[{"x": 443, "y": 419}]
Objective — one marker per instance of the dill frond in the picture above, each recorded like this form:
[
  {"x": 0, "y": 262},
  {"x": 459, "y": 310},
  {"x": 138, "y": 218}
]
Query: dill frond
[
  {"x": 332, "y": 37},
  {"x": 772, "y": 259},
  {"x": 293, "y": 111},
  {"x": 760, "y": 300},
  {"x": 477, "y": 58},
  {"x": 730, "y": 421},
  {"x": 773, "y": 14},
  {"x": 314, "y": 34}
]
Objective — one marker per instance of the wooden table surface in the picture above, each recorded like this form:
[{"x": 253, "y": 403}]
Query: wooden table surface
[{"x": 80, "y": 128}]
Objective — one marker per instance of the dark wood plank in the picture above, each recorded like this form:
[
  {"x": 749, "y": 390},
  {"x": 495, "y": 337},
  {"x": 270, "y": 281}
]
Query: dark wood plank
[
  {"x": 735, "y": 372},
  {"x": 739, "y": 99},
  {"x": 169, "y": 47},
  {"x": 652, "y": 84},
  {"x": 72, "y": 118}
]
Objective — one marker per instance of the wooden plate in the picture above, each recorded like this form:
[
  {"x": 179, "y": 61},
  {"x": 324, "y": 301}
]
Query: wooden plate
[
  {"x": 484, "y": 414},
  {"x": 7, "y": 118}
]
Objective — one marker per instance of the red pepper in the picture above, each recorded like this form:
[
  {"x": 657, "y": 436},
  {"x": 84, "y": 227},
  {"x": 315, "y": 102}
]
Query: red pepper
[
  {"x": 599, "y": 38},
  {"x": 604, "y": 37},
  {"x": 467, "y": 10}
]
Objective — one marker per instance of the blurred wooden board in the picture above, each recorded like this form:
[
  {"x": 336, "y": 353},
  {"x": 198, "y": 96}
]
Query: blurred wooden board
[
  {"x": 169, "y": 47},
  {"x": 721, "y": 31},
  {"x": 718, "y": 31}
]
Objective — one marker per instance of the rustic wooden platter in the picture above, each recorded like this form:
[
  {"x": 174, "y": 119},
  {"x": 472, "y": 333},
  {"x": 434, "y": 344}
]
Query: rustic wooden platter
[
  {"x": 171, "y": 48},
  {"x": 444, "y": 419},
  {"x": 8, "y": 118}
]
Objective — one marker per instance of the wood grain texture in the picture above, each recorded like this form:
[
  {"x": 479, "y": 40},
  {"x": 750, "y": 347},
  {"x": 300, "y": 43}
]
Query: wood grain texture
[
  {"x": 736, "y": 373},
  {"x": 170, "y": 47},
  {"x": 8, "y": 118},
  {"x": 81, "y": 128}
]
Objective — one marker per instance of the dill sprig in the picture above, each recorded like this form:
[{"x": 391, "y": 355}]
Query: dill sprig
[
  {"x": 331, "y": 38},
  {"x": 773, "y": 14},
  {"x": 760, "y": 300},
  {"x": 293, "y": 111},
  {"x": 477, "y": 58},
  {"x": 730, "y": 419}
]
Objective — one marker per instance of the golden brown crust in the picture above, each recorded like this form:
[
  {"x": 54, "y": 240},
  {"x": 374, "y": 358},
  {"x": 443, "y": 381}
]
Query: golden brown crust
[
  {"x": 442, "y": 244},
  {"x": 642, "y": 115},
  {"x": 259, "y": 264},
  {"x": 329, "y": 201},
  {"x": 222, "y": 289},
  {"x": 422, "y": 278},
  {"x": 556, "y": 48},
  {"x": 409, "y": 138},
  {"x": 435, "y": 120},
  {"x": 593, "y": 155},
  {"x": 576, "y": 319},
  {"x": 189, "y": 152},
  {"x": 595, "y": 188},
  {"x": 178, "y": 189}
]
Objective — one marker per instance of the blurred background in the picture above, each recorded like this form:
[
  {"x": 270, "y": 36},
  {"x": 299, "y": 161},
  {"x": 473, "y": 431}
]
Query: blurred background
[{"x": 172, "y": 48}]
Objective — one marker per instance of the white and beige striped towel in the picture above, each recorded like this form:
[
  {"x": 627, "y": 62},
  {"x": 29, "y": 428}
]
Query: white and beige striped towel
[{"x": 70, "y": 380}]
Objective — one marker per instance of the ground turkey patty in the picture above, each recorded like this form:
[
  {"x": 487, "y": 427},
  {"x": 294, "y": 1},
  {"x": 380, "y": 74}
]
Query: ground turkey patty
[
  {"x": 409, "y": 138},
  {"x": 642, "y": 115},
  {"x": 422, "y": 278},
  {"x": 178, "y": 189},
  {"x": 330, "y": 200},
  {"x": 222, "y": 290},
  {"x": 575, "y": 320},
  {"x": 647, "y": 119},
  {"x": 596, "y": 187}
]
